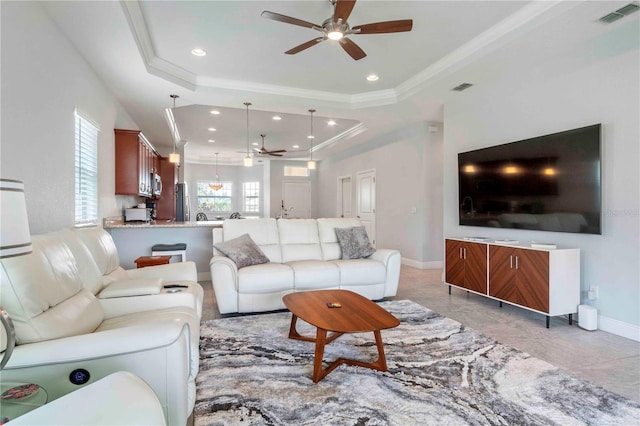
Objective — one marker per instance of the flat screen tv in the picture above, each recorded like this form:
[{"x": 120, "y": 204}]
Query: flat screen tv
[{"x": 546, "y": 183}]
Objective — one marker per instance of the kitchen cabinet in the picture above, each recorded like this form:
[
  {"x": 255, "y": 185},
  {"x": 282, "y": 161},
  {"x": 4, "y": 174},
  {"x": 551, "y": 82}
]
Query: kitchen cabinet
[
  {"x": 544, "y": 280},
  {"x": 166, "y": 204},
  {"x": 136, "y": 160},
  {"x": 466, "y": 265}
]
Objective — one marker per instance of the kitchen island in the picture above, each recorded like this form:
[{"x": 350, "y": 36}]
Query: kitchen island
[{"x": 135, "y": 239}]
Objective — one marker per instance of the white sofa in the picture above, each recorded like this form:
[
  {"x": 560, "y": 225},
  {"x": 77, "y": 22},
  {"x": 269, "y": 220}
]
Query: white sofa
[
  {"x": 304, "y": 255},
  {"x": 64, "y": 321}
]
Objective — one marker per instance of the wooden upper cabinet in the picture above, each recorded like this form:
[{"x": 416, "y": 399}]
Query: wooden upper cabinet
[{"x": 135, "y": 161}]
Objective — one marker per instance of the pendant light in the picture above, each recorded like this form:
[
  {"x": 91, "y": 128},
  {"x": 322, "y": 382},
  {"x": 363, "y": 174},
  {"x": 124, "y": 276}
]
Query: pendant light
[
  {"x": 217, "y": 185},
  {"x": 311, "y": 165},
  {"x": 248, "y": 161},
  {"x": 174, "y": 157}
]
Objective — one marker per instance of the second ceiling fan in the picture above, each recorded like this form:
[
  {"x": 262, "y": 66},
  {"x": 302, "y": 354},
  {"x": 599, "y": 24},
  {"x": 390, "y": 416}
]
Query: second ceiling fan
[
  {"x": 337, "y": 28},
  {"x": 264, "y": 151}
]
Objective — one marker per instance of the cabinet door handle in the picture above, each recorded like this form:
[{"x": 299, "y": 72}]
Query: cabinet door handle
[
  {"x": 516, "y": 262},
  {"x": 460, "y": 253},
  {"x": 465, "y": 253},
  {"x": 511, "y": 262}
]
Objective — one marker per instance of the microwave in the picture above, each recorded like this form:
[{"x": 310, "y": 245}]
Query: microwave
[
  {"x": 136, "y": 214},
  {"x": 156, "y": 185}
]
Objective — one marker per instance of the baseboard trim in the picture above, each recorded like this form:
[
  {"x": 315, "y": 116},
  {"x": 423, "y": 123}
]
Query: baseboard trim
[
  {"x": 619, "y": 328},
  {"x": 436, "y": 264}
]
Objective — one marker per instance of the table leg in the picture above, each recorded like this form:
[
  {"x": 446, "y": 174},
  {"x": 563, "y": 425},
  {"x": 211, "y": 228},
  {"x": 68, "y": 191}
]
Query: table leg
[{"x": 321, "y": 339}]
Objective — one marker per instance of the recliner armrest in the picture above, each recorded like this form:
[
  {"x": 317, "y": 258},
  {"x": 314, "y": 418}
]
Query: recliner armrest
[
  {"x": 103, "y": 344},
  {"x": 383, "y": 255},
  {"x": 180, "y": 271},
  {"x": 132, "y": 287}
]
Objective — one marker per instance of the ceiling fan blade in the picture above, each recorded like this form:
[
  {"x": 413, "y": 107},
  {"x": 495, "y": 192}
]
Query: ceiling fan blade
[
  {"x": 352, "y": 49},
  {"x": 304, "y": 46},
  {"x": 287, "y": 19},
  {"x": 276, "y": 151},
  {"x": 343, "y": 9},
  {"x": 274, "y": 155},
  {"x": 385, "y": 27}
]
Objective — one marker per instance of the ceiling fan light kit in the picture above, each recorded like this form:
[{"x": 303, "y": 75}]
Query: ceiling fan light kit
[{"x": 337, "y": 28}]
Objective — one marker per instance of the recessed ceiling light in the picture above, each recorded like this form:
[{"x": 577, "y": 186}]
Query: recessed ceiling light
[
  {"x": 276, "y": 118},
  {"x": 215, "y": 112},
  {"x": 295, "y": 146},
  {"x": 198, "y": 52},
  {"x": 210, "y": 141},
  {"x": 331, "y": 122},
  {"x": 372, "y": 77},
  {"x": 212, "y": 129},
  {"x": 255, "y": 143},
  {"x": 311, "y": 137}
]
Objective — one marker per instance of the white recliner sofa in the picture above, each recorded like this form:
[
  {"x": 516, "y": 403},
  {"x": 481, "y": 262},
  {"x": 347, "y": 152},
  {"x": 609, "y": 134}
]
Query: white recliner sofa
[
  {"x": 304, "y": 254},
  {"x": 61, "y": 327}
]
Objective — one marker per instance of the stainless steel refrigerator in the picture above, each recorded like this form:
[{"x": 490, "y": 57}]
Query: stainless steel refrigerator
[{"x": 183, "y": 209}]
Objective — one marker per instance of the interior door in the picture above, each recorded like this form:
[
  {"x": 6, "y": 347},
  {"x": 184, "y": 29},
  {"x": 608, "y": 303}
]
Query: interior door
[
  {"x": 296, "y": 199},
  {"x": 366, "y": 202},
  {"x": 344, "y": 197}
]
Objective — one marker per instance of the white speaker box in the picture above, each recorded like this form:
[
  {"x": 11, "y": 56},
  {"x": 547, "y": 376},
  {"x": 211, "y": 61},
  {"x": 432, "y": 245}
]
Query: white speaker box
[{"x": 587, "y": 317}]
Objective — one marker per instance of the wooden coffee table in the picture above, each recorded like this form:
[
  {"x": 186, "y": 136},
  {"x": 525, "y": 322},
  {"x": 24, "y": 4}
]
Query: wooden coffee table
[{"x": 356, "y": 314}]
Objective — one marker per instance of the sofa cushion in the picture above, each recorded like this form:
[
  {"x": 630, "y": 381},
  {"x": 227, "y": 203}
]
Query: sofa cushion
[
  {"x": 315, "y": 274},
  {"x": 354, "y": 242},
  {"x": 264, "y": 232},
  {"x": 243, "y": 251},
  {"x": 328, "y": 238},
  {"x": 361, "y": 271},
  {"x": 102, "y": 248},
  {"x": 265, "y": 278},
  {"x": 299, "y": 239}
]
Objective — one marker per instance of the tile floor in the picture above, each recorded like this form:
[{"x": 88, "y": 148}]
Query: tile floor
[{"x": 610, "y": 361}]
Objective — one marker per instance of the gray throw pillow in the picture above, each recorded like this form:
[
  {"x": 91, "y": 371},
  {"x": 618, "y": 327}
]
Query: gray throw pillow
[
  {"x": 243, "y": 251},
  {"x": 354, "y": 242}
]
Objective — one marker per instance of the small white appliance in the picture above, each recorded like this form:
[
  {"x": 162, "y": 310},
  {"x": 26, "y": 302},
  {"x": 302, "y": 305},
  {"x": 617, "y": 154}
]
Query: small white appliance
[
  {"x": 137, "y": 215},
  {"x": 587, "y": 317}
]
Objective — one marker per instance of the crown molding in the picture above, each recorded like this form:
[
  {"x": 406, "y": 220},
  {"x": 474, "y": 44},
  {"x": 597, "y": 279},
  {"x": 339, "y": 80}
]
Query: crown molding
[{"x": 487, "y": 41}]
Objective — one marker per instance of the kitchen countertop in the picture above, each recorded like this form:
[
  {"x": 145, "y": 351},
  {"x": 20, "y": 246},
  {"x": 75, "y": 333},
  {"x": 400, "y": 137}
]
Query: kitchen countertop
[{"x": 107, "y": 224}]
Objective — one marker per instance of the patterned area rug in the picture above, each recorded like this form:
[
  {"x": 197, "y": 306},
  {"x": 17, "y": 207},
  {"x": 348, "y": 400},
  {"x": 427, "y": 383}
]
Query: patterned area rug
[{"x": 440, "y": 373}]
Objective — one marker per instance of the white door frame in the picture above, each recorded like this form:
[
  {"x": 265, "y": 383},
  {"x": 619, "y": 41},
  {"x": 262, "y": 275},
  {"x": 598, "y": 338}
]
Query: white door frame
[
  {"x": 340, "y": 190},
  {"x": 368, "y": 218}
]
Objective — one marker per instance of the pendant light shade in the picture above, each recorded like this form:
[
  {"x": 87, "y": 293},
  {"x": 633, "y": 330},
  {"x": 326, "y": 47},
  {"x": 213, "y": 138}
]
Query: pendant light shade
[
  {"x": 217, "y": 185},
  {"x": 311, "y": 165},
  {"x": 174, "y": 157},
  {"x": 15, "y": 239},
  {"x": 248, "y": 161}
]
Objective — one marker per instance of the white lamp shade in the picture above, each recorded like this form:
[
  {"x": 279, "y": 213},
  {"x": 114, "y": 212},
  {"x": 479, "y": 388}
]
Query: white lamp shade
[
  {"x": 248, "y": 161},
  {"x": 15, "y": 239},
  {"x": 311, "y": 165},
  {"x": 174, "y": 157}
]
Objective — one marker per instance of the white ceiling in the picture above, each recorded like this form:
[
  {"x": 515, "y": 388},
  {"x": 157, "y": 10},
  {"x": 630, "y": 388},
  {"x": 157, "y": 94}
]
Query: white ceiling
[{"x": 141, "y": 50}]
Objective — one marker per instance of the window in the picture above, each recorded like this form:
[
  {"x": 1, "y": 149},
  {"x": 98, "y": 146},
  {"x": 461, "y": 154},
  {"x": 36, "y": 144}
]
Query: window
[
  {"x": 291, "y": 171},
  {"x": 210, "y": 201},
  {"x": 251, "y": 197},
  {"x": 86, "y": 172}
]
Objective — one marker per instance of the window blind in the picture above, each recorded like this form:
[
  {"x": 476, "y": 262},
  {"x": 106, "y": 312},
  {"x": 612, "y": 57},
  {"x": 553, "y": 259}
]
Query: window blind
[{"x": 86, "y": 172}]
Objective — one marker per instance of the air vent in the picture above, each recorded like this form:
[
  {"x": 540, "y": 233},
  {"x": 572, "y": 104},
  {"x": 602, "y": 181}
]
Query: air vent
[
  {"x": 620, "y": 13},
  {"x": 462, "y": 87}
]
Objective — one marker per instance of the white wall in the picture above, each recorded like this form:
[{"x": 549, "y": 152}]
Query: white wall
[
  {"x": 599, "y": 86},
  {"x": 408, "y": 164},
  {"x": 43, "y": 80}
]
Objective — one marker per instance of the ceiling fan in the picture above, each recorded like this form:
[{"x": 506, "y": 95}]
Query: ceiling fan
[
  {"x": 264, "y": 151},
  {"x": 337, "y": 28}
]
